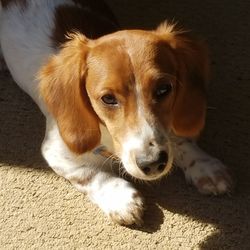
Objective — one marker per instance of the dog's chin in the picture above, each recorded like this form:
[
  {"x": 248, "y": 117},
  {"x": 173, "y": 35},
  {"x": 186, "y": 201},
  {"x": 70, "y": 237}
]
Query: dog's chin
[{"x": 135, "y": 172}]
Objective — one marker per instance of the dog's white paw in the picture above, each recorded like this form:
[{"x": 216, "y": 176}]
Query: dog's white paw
[
  {"x": 121, "y": 202},
  {"x": 209, "y": 176}
]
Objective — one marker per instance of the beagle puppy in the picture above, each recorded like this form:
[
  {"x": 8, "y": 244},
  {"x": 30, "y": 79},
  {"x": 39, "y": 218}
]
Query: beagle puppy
[{"x": 127, "y": 99}]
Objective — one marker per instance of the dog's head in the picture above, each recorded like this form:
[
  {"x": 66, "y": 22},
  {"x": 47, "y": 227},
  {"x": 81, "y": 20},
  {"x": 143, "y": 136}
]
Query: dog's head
[{"x": 141, "y": 85}]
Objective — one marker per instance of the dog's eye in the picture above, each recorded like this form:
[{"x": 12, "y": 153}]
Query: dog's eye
[
  {"x": 109, "y": 100},
  {"x": 163, "y": 90}
]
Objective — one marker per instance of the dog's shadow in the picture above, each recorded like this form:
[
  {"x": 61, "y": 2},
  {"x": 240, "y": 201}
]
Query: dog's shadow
[{"x": 228, "y": 214}]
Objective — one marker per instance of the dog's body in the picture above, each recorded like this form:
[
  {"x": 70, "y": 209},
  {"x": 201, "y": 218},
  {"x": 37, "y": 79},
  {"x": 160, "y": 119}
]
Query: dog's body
[{"x": 134, "y": 88}]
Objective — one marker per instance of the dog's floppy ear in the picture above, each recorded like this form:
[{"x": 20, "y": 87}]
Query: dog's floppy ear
[
  {"x": 62, "y": 87},
  {"x": 189, "y": 109}
]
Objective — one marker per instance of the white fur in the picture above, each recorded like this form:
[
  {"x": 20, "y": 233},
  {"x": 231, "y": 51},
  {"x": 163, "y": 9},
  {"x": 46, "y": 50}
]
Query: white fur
[
  {"x": 208, "y": 174},
  {"x": 26, "y": 45}
]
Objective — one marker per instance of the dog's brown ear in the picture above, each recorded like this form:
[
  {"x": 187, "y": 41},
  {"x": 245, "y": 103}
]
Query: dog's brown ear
[
  {"x": 62, "y": 87},
  {"x": 189, "y": 109}
]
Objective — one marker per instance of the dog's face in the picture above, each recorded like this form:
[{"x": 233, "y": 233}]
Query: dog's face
[
  {"x": 131, "y": 84},
  {"x": 141, "y": 85}
]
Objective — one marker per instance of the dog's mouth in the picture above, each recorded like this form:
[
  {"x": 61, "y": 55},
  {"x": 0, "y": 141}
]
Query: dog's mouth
[
  {"x": 148, "y": 170},
  {"x": 148, "y": 174}
]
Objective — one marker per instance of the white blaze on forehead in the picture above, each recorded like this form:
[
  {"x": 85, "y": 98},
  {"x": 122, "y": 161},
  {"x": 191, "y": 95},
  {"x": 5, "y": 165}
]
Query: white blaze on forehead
[
  {"x": 138, "y": 138},
  {"x": 144, "y": 116}
]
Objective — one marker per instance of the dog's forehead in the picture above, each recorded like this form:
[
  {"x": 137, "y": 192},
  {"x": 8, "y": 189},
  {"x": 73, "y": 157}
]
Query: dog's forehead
[
  {"x": 133, "y": 54},
  {"x": 129, "y": 59},
  {"x": 110, "y": 63},
  {"x": 136, "y": 46},
  {"x": 110, "y": 55}
]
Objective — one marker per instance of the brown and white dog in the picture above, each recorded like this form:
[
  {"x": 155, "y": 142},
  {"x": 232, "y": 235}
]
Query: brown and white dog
[{"x": 144, "y": 91}]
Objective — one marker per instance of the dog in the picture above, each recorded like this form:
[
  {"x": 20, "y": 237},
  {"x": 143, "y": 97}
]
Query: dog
[{"x": 112, "y": 97}]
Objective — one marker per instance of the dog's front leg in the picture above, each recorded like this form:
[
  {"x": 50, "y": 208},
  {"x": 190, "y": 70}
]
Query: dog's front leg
[
  {"x": 115, "y": 196},
  {"x": 92, "y": 174},
  {"x": 208, "y": 174}
]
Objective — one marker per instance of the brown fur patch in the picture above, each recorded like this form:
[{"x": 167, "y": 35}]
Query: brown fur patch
[
  {"x": 62, "y": 86},
  {"x": 82, "y": 182},
  {"x": 110, "y": 72},
  {"x": 193, "y": 70}
]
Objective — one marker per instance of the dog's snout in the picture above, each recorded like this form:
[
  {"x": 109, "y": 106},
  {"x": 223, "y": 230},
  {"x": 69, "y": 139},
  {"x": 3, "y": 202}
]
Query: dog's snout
[
  {"x": 163, "y": 157},
  {"x": 155, "y": 166}
]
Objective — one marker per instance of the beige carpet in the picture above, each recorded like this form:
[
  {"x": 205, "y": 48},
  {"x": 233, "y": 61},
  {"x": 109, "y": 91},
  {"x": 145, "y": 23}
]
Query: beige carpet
[{"x": 39, "y": 210}]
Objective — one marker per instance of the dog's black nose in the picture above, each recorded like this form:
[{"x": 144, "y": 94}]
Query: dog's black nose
[{"x": 155, "y": 166}]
